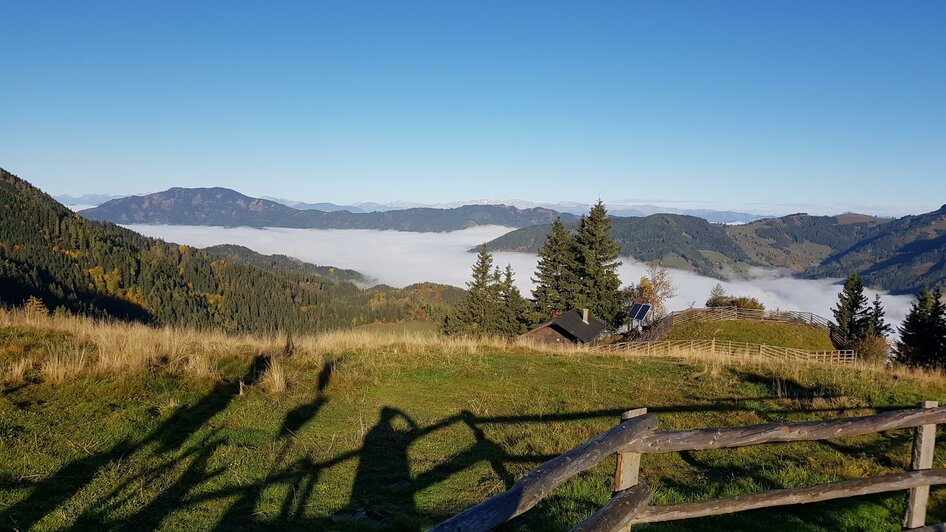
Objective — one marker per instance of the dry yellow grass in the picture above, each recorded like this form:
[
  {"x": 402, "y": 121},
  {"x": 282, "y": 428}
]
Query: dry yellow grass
[
  {"x": 15, "y": 372},
  {"x": 64, "y": 365},
  {"x": 115, "y": 348},
  {"x": 274, "y": 380}
]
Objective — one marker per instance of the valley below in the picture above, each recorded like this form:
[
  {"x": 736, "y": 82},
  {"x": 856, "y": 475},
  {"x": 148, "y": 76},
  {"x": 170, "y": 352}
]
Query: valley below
[{"x": 401, "y": 258}]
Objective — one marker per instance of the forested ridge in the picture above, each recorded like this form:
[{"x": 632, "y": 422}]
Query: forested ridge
[
  {"x": 901, "y": 255},
  {"x": 282, "y": 263},
  {"x": 100, "y": 269},
  {"x": 681, "y": 241}
]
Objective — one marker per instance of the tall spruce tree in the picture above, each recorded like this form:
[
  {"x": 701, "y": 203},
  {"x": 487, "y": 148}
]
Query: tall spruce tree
[
  {"x": 595, "y": 253},
  {"x": 478, "y": 312},
  {"x": 876, "y": 324},
  {"x": 492, "y": 304},
  {"x": 556, "y": 284},
  {"x": 514, "y": 320},
  {"x": 851, "y": 314},
  {"x": 923, "y": 333}
]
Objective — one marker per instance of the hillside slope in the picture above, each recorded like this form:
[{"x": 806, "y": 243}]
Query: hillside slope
[
  {"x": 225, "y": 207},
  {"x": 903, "y": 255},
  {"x": 103, "y": 270},
  {"x": 801, "y": 241},
  {"x": 398, "y": 432},
  {"x": 282, "y": 263},
  {"x": 773, "y": 333},
  {"x": 900, "y": 255},
  {"x": 685, "y": 242}
]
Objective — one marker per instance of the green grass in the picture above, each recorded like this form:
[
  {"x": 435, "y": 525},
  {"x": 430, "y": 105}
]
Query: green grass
[
  {"x": 400, "y": 438},
  {"x": 753, "y": 331}
]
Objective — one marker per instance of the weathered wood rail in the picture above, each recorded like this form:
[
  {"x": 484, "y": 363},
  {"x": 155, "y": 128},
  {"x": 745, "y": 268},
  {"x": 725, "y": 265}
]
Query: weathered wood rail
[
  {"x": 726, "y": 349},
  {"x": 635, "y": 436}
]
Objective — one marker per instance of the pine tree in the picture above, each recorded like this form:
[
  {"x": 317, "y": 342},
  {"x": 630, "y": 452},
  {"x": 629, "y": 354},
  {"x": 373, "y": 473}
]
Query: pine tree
[
  {"x": 480, "y": 310},
  {"x": 718, "y": 297},
  {"x": 851, "y": 314},
  {"x": 555, "y": 290},
  {"x": 514, "y": 320},
  {"x": 923, "y": 333},
  {"x": 876, "y": 324},
  {"x": 599, "y": 288}
]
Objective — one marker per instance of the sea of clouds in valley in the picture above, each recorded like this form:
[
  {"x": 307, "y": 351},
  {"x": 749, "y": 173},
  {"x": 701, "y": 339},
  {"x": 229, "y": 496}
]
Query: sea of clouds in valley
[{"x": 401, "y": 258}]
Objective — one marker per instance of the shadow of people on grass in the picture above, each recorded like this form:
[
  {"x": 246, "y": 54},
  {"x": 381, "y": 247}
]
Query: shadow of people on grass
[
  {"x": 383, "y": 485},
  {"x": 302, "y": 414}
]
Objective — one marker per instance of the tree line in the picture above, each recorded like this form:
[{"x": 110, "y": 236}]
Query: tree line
[
  {"x": 862, "y": 327},
  {"x": 575, "y": 270}
]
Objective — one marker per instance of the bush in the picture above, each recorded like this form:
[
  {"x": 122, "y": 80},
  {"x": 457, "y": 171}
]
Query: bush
[
  {"x": 719, "y": 298},
  {"x": 872, "y": 349}
]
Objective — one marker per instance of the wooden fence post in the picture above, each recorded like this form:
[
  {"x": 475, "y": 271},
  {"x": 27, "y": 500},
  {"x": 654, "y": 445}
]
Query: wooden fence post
[
  {"x": 924, "y": 443},
  {"x": 627, "y": 472}
]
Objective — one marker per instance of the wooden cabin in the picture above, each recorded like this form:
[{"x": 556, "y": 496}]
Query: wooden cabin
[{"x": 574, "y": 327}]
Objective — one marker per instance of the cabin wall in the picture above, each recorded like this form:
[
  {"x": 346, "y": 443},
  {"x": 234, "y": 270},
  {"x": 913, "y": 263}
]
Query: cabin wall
[{"x": 548, "y": 334}]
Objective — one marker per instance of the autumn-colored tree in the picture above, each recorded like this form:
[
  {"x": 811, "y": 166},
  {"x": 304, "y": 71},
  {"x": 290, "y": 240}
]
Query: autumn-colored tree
[
  {"x": 654, "y": 289},
  {"x": 35, "y": 307}
]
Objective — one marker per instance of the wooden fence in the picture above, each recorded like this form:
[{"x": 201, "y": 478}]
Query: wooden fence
[
  {"x": 728, "y": 350},
  {"x": 636, "y": 436}
]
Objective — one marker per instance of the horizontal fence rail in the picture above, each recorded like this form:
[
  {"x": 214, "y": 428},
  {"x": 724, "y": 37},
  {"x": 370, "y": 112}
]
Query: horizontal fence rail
[
  {"x": 768, "y": 499},
  {"x": 728, "y": 349},
  {"x": 636, "y": 435},
  {"x": 533, "y": 487}
]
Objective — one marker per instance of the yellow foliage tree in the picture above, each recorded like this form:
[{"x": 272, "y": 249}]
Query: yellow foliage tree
[
  {"x": 35, "y": 307},
  {"x": 654, "y": 289}
]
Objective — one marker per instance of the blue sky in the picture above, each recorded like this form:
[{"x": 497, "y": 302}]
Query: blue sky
[{"x": 776, "y": 105}]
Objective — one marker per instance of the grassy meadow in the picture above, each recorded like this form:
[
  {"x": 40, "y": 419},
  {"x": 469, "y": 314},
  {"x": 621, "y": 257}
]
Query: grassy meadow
[
  {"x": 122, "y": 426},
  {"x": 775, "y": 333}
]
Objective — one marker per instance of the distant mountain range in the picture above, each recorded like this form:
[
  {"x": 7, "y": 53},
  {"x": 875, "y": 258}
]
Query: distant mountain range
[
  {"x": 89, "y": 201},
  {"x": 901, "y": 255},
  {"x": 567, "y": 207},
  {"x": 225, "y": 207}
]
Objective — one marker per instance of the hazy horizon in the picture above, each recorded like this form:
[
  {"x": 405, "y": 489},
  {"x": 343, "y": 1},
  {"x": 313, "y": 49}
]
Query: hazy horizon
[{"x": 880, "y": 210}]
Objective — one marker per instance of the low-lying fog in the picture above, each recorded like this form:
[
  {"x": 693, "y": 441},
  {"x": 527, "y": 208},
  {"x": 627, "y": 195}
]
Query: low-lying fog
[{"x": 401, "y": 258}]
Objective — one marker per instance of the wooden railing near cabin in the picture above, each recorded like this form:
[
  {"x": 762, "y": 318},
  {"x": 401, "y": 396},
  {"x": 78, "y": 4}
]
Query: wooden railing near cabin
[
  {"x": 636, "y": 436},
  {"x": 728, "y": 350}
]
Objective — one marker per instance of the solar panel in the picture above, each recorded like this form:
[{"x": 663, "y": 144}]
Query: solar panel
[{"x": 638, "y": 311}]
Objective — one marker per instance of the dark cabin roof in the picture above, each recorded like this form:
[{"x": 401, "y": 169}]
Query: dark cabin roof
[{"x": 572, "y": 323}]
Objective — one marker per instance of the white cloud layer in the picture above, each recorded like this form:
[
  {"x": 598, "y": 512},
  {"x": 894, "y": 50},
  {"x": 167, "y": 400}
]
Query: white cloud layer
[{"x": 401, "y": 258}]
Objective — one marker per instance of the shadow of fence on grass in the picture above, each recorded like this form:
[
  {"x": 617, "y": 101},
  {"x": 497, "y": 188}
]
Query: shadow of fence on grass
[{"x": 384, "y": 490}]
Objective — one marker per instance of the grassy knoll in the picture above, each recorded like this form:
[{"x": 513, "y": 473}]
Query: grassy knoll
[
  {"x": 399, "y": 431},
  {"x": 754, "y": 332}
]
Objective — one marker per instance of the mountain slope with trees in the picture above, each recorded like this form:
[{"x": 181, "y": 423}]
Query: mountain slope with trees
[
  {"x": 99, "y": 269},
  {"x": 901, "y": 255},
  {"x": 225, "y": 207},
  {"x": 801, "y": 241},
  {"x": 681, "y": 241},
  {"x": 282, "y": 263}
]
